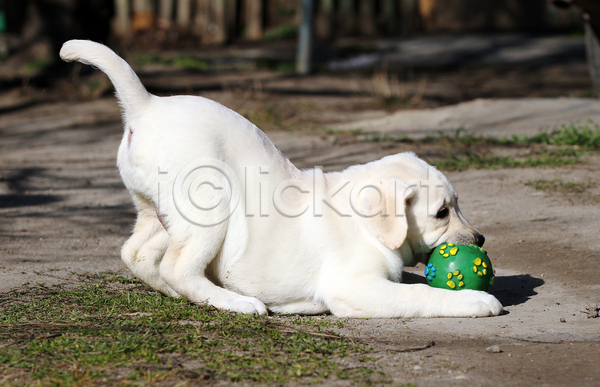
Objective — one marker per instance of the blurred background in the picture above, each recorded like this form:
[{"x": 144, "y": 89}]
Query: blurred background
[
  {"x": 31, "y": 31},
  {"x": 403, "y": 48}
]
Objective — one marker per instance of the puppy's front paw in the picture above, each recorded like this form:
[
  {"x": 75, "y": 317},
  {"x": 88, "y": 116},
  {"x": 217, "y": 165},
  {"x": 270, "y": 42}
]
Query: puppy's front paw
[
  {"x": 248, "y": 305},
  {"x": 480, "y": 304}
]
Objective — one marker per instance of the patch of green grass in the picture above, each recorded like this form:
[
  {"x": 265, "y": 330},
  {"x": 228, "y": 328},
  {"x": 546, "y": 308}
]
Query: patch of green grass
[
  {"x": 283, "y": 31},
  {"x": 393, "y": 103},
  {"x": 141, "y": 60},
  {"x": 563, "y": 146},
  {"x": 459, "y": 138},
  {"x": 38, "y": 65},
  {"x": 186, "y": 62},
  {"x": 118, "y": 331},
  {"x": 276, "y": 65},
  {"x": 560, "y": 186},
  {"x": 183, "y": 62},
  {"x": 586, "y": 135},
  {"x": 540, "y": 159},
  {"x": 568, "y": 145}
]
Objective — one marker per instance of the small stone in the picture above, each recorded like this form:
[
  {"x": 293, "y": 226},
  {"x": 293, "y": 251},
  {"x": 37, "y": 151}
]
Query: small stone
[
  {"x": 494, "y": 349},
  {"x": 417, "y": 368},
  {"x": 563, "y": 320}
]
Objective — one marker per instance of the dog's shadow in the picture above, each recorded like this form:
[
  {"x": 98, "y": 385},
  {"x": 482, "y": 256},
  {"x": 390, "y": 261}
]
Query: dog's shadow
[
  {"x": 509, "y": 290},
  {"x": 515, "y": 289}
]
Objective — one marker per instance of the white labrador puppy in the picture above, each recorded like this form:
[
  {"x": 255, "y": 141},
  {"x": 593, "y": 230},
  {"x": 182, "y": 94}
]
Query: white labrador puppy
[{"x": 225, "y": 219}]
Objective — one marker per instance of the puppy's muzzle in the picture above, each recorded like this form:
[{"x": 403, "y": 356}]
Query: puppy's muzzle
[{"x": 467, "y": 239}]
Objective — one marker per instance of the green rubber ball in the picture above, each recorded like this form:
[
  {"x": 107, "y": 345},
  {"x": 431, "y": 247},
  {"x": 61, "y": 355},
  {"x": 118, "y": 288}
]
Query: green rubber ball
[{"x": 457, "y": 267}]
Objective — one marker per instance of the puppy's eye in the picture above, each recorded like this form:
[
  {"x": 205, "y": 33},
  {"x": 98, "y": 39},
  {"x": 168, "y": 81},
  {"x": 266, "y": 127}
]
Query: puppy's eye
[{"x": 442, "y": 213}]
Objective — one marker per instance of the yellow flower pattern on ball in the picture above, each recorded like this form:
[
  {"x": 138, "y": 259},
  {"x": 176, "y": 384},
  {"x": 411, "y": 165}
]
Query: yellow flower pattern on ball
[
  {"x": 453, "y": 277},
  {"x": 480, "y": 267}
]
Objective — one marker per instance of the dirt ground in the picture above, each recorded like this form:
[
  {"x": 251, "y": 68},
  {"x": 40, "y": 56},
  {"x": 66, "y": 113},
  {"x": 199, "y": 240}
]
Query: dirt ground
[{"x": 64, "y": 209}]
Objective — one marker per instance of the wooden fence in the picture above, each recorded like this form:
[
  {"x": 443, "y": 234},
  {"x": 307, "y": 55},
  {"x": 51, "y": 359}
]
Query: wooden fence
[{"x": 220, "y": 21}]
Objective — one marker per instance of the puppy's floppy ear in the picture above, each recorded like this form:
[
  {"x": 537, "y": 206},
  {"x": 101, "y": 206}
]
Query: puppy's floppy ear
[{"x": 383, "y": 205}]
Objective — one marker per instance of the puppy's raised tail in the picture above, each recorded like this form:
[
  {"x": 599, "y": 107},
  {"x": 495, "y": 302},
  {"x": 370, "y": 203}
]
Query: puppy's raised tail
[{"x": 130, "y": 91}]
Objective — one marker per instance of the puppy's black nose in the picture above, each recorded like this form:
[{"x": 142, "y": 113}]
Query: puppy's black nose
[{"x": 479, "y": 240}]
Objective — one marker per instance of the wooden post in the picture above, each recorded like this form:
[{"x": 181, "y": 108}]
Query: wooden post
[
  {"x": 183, "y": 13},
  {"x": 254, "y": 19},
  {"x": 390, "y": 16},
  {"x": 425, "y": 10},
  {"x": 305, "y": 37},
  {"x": 202, "y": 20},
  {"x": 347, "y": 16},
  {"x": 143, "y": 15},
  {"x": 165, "y": 13},
  {"x": 213, "y": 22},
  {"x": 122, "y": 25},
  {"x": 324, "y": 22},
  {"x": 220, "y": 22},
  {"x": 367, "y": 23},
  {"x": 231, "y": 10}
]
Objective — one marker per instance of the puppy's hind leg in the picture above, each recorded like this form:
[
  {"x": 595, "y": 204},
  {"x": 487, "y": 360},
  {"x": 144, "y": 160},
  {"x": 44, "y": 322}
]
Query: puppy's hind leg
[
  {"x": 145, "y": 249},
  {"x": 183, "y": 268}
]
